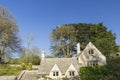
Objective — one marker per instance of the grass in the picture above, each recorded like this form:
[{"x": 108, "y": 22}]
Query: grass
[{"x": 6, "y": 70}]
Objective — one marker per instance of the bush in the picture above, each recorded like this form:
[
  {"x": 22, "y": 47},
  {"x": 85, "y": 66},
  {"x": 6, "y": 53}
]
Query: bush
[
  {"x": 23, "y": 66},
  {"x": 29, "y": 66},
  {"x": 93, "y": 73},
  {"x": 109, "y": 72}
]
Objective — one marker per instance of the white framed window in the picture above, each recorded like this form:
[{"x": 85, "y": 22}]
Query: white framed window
[
  {"x": 92, "y": 63},
  {"x": 91, "y": 51},
  {"x": 71, "y": 73},
  {"x": 55, "y": 73}
]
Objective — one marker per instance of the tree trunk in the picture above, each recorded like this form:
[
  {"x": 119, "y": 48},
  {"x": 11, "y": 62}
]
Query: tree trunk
[{"x": 0, "y": 60}]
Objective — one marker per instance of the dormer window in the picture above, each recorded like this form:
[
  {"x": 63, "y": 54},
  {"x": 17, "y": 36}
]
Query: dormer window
[
  {"x": 55, "y": 73},
  {"x": 72, "y": 73},
  {"x": 91, "y": 51}
]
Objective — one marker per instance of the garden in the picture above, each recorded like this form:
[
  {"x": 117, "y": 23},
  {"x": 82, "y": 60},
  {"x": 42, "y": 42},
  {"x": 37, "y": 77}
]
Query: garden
[{"x": 7, "y": 70}]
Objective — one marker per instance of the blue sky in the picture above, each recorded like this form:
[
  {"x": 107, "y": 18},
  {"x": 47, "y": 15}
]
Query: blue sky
[{"x": 40, "y": 17}]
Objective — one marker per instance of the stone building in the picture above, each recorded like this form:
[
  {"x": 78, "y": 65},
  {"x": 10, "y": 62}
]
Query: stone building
[{"x": 69, "y": 67}]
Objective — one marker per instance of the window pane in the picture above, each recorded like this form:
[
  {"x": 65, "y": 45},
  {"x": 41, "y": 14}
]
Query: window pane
[
  {"x": 92, "y": 63},
  {"x": 57, "y": 74},
  {"x": 53, "y": 73},
  {"x": 91, "y": 51},
  {"x": 71, "y": 73}
]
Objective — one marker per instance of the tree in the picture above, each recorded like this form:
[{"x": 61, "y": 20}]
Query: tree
[
  {"x": 9, "y": 40},
  {"x": 30, "y": 53},
  {"x": 65, "y": 37},
  {"x": 14, "y": 61},
  {"x": 104, "y": 39},
  {"x": 113, "y": 65},
  {"x": 31, "y": 57},
  {"x": 63, "y": 40}
]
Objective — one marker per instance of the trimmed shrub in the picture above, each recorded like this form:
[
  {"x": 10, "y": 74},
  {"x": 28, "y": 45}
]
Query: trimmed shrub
[
  {"x": 23, "y": 66},
  {"x": 29, "y": 66}
]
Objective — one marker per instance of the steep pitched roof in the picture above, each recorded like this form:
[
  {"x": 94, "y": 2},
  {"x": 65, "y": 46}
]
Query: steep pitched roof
[
  {"x": 62, "y": 63},
  {"x": 91, "y": 45},
  {"x": 96, "y": 56}
]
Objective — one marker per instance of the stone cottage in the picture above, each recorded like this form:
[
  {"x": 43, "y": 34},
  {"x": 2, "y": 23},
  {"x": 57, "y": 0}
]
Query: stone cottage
[{"x": 69, "y": 67}]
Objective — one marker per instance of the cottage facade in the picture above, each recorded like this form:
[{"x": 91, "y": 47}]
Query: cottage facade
[{"x": 69, "y": 67}]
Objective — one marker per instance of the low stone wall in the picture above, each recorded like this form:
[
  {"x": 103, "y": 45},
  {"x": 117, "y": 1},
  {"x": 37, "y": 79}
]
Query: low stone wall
[{"x": 19, "y": 76}]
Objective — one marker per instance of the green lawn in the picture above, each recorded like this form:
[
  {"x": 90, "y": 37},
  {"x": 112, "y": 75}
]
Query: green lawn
[{"x": 6, "y": 70}]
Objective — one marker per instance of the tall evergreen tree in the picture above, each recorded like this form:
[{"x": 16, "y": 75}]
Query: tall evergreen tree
[{"x": 66, "y": 36}]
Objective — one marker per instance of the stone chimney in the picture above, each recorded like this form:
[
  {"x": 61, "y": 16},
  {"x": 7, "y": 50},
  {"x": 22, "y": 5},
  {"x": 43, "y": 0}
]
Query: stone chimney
[
  {"x": 78, "y": 49},
  {"x": 42, "y": 54}
]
